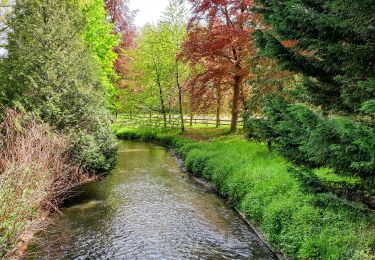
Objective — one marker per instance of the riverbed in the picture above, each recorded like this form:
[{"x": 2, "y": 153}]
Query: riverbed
[{"x": 148, "y": 208}]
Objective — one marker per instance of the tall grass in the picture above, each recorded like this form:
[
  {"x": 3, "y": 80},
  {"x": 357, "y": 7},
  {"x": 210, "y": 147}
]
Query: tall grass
[
  {"x": 302, "y": 225},
  {"x": 34, "y": 176}
]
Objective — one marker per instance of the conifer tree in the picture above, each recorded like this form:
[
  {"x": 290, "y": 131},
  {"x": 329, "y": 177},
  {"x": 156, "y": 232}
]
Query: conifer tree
[
  {"x": 332, "y": 43},
  {"x": 328, "y": 118},
  {"x": 50, "y": 72}
]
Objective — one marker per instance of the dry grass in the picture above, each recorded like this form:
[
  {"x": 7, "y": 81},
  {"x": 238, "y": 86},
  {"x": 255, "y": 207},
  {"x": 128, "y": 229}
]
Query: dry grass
[{"x": 34, "y": 177}]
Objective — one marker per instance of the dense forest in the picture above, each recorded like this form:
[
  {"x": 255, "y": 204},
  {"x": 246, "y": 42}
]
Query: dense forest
[{"x": 289, "y": 87}]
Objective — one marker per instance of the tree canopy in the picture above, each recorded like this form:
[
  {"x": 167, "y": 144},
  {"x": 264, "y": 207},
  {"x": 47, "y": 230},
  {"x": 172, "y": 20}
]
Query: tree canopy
[{"x": 219, "y": 38}]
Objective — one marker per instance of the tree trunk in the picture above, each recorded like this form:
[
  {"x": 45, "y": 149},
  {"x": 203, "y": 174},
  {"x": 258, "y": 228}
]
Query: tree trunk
[
  {"x": 218, "y": 108},
  {"x": 180, "y": 98},
  {"x": 150, "y": 118},
  {"x": 236, "y": 103},
  {"x": 162, "y": 104},
  {"x": 269, "y": 145},
  {"x": 170, "y": 111}
]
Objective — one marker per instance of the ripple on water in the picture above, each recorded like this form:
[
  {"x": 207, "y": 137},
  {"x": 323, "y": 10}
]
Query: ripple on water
[{"x": 147, "y": 209}]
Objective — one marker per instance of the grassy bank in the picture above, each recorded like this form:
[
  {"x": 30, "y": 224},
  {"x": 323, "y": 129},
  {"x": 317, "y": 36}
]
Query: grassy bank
[{"x": 300, "y": 224}]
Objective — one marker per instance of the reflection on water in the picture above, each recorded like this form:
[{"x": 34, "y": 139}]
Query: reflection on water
[{"x": 148, "y": 209}]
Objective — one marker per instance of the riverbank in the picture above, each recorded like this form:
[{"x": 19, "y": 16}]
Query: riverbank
[
  {"x": 300, "y": 224},
  {"x": 148, "y": 208},
  {"x": 35, "y": 177}
]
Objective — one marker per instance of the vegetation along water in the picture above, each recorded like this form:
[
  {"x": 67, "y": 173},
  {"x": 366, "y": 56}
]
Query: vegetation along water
[
  {"x": 270, "y": 103},
  {"x": 149, "y": 208}
]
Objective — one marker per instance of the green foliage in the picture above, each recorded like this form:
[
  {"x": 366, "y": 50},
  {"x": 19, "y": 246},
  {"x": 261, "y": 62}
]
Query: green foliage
[
  {"x": 258, "y": 129},
  {"x": 98, "y": 36},
  {"x": 306, "y": 137},
  {"x": 334, "y": 48},
  {"x": 155, "y": 58},
  {"x": 327, "y": 119},
  {"x": 156, "y": 74},
  {"x": 50, "y": 71},
  {"x": 301, "y": 224}
]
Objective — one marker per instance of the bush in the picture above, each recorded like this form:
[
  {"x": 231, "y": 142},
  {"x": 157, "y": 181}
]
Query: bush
[
  {"x": 94, "y": 146},
  {"x": 34, "y": 175}
]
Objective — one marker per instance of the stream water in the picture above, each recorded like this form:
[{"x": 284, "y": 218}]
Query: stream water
[{"x": 148, "y": 208}]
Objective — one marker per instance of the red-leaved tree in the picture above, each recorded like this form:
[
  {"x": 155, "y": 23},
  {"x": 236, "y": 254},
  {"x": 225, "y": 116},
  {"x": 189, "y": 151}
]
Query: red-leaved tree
[
  {"x": 123, "y": 19},
  {"x": 219, "y": 37}
]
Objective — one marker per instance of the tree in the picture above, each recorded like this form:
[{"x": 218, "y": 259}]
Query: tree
[
  {"x": 219, "y": 36},
  {"x": 175, "y": 18},
  {"x": 50, "y": 71},
  {"x": 330, "y": 43},
  {"x": 208, "y": 88},
  {"x": 327, "y": 120},
  {"x": 268, "y": 79},
  {"x": 98, "y": 36},
  {"x": 152, "y": 67},
  {"x": 123, "y": 19}
]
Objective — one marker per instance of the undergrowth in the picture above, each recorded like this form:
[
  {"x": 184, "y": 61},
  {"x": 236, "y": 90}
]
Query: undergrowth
[{"x": 35, "y": 174}]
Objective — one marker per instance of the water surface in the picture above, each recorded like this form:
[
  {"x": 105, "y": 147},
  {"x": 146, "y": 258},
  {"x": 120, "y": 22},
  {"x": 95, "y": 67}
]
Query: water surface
[{"x": 148, "y": 208}]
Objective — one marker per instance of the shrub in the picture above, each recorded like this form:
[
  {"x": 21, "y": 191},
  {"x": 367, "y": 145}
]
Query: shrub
[
  {"x": 196, "y": 162},
  {"x": 34, "y": 175}
]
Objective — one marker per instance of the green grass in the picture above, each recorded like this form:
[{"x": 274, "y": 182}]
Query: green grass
[
  {"x": 299, "y": 224},
  {"x": 330, "y": 176}
]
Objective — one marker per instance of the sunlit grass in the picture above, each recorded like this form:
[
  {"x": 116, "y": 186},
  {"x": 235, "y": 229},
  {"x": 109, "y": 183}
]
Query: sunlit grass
[{"x": 329, "y": 175}]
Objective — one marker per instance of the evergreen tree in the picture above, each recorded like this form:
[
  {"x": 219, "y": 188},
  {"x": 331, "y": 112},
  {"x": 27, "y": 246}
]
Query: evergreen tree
[
  {"x": 332, "y": 43},
  {"x": 328, "y": 118},
  {"x": 50, "y": 72}
]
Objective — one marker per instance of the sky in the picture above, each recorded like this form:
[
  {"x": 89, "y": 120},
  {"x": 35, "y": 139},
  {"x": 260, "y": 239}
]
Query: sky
[{"x": 149, "y": 11}]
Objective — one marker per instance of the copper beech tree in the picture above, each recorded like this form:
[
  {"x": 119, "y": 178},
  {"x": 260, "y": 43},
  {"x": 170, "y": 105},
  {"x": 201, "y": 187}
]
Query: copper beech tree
[
  {"x": 123, "y": 18},
  {"x": 219, "y": 38},
  {"x": 207, "y": 87}
]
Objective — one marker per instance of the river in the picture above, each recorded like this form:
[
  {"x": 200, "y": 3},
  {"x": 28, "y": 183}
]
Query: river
[{"x": 148, "y": 208}]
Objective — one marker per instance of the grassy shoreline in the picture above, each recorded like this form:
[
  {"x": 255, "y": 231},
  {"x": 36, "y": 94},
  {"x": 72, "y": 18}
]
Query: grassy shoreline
[{"x": 299, "y": 224}]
